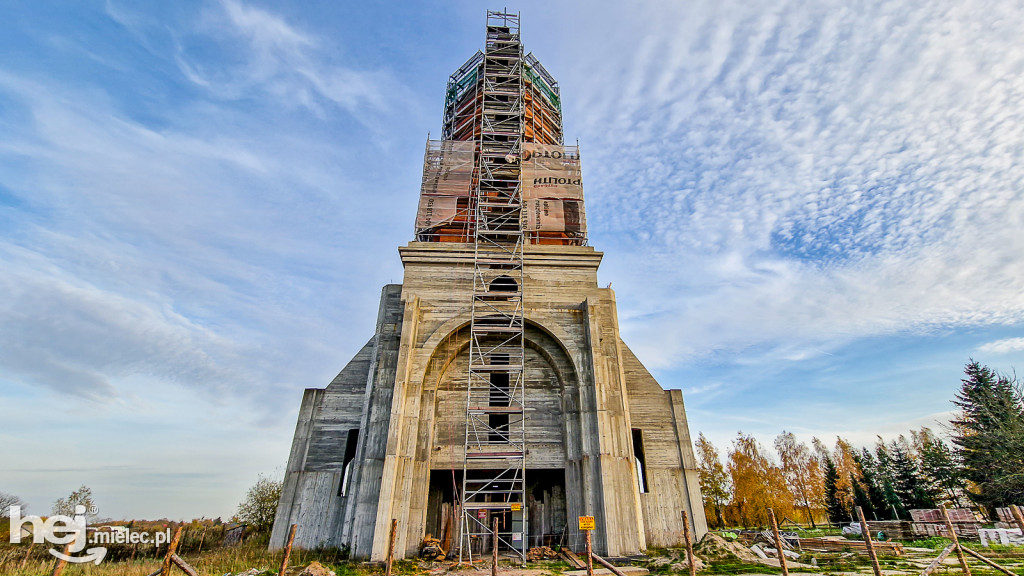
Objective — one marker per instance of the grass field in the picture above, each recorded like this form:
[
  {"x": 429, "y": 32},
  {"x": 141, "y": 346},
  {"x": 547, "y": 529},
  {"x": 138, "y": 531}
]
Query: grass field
[{"x": 220, "y": 561}]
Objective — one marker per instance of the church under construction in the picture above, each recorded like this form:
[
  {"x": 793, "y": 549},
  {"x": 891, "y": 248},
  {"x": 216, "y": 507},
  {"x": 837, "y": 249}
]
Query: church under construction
[{"x": 496, "y": 384}]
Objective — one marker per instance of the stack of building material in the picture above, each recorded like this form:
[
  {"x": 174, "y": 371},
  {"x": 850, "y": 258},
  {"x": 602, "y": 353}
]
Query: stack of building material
[
  {"x": 929, "y": 522},
  {"x": 1004, "y": 536},
  {"x": 572, "y": 559},
  {"x": 843, "y": 545},
  {"x": 1006, "y": 519},
  {"x": 893, "y": 529},
  {"x": 541, "y": 553},
  {"x": 431, "y": 549}
]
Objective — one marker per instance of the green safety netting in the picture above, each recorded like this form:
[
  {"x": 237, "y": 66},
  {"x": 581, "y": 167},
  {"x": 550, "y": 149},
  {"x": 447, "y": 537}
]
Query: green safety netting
[
  {"x": 457, "y": 88},
  {"x": 539, "y": 82}
]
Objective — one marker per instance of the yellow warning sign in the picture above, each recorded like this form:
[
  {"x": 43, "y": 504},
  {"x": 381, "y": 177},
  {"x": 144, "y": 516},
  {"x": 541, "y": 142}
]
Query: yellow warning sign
[
  {"x": 587, "y": 523},
  {"x": 516, "y": 506}
]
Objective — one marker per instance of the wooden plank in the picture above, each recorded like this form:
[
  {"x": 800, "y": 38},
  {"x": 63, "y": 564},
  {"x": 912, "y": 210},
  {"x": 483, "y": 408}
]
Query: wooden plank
[
  {"x": 571, "y": 557},
  {"x": 1018, "y": 516},
  {"x": 689, "y": 544},
  {"x": 608, "y": 565},
  {"x": 938, "y": 561},
  {"x": 866, "y": 533},
  {"x": 782, "y": 550},
  {"x": 835, "y": 545},
  {"x": 956, "y": 542},
  {"x": 1006, "y": 571},
  {"x": 184, "y": 566},
  {"x": 287, "y": 550},
  {"x": 61, "y": 563}
]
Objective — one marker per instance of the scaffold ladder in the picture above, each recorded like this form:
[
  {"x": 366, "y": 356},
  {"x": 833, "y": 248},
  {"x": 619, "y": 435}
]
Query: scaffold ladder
[{"x": 494, "y": 468}]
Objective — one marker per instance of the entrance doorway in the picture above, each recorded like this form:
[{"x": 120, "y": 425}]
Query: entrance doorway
[{"x": 545, "y": 507}]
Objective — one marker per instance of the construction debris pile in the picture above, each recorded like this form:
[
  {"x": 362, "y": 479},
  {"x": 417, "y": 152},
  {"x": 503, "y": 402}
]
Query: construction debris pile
[
  {"x": 929, "y": 522},
  {"x": 837, "y": 544},
  {"x": 432, "y": 550},
  {"x": 676, "y": 562},
  {"x": 714, "y": 548},
  {"x": 764, "y": 545},
  {"x": 316, "y": 569},
  {"x": 541, "y": 553}
]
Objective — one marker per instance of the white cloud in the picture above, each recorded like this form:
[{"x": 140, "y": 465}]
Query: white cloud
[
  {"x": 145, "y": 253},
  {"x": 1004, "y": 346},
  {"x": 262, "y": 51},
  {"x": 174, "y": 274},
  {"x": 769, "y": 181},
  {"x": 801, "y": 175}
]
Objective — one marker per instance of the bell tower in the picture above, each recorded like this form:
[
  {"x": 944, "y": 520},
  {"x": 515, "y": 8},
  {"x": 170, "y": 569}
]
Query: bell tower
[{"x": 496, "y": 390}]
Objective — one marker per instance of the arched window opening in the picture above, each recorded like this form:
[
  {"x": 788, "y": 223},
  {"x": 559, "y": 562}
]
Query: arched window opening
[{"x": 504, "y": 284}]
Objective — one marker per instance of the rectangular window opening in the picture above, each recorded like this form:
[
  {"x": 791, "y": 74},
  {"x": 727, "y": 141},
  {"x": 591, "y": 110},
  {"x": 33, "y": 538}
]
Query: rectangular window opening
[
  {"x": 500, "y": 432},
  {"x": 640, "y": 460},
  {"x": 350, "y": 455},
  {"x": 500, "y": 394}
]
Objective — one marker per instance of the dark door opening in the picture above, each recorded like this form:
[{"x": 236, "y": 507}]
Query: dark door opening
[{"x": 545, "y": 512}]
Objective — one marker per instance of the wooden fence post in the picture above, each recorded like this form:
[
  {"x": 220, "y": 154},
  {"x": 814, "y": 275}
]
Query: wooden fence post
[
  {"x": 778, "y": 544},
  {"x": 866, "y": 533},
  {"x": 201, "y": 538},
  {"x": 590, "y": 556},
  {"x": 956, "y": 541},
  {"x": 61, "y": 563},
  {"x": 689, "y": 544},
  {"x": 287, "y": 550},
  {"x": 391, "y": 547},
  {"x": 166, "y": 569}
]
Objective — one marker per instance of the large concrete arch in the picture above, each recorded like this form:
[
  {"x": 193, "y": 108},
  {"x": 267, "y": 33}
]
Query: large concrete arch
[{"x": 552, "y": 411}]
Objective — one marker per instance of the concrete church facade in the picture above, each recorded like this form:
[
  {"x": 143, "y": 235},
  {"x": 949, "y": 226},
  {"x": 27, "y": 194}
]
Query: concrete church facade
[{"x": 386, "y": 439}]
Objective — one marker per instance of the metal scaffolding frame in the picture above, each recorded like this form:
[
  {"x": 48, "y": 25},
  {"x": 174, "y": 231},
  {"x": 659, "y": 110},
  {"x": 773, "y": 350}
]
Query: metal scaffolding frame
[
  {"x": 494, "y": 469},
  {"x": 539, "y": 120},
  {"x": 494, "y": 103}
]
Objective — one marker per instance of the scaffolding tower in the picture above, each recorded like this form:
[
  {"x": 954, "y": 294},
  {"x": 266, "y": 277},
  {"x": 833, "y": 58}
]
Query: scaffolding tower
[{"x": 494, "y": 469}]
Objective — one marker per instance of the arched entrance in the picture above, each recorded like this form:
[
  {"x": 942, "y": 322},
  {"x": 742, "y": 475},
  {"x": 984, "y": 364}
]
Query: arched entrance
[{"x": 552, "y": 414}]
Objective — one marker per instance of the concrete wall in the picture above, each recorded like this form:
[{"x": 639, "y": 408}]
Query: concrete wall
[
  {"x": 358, "y": 398},
  {"x": 586, "y": 393}
]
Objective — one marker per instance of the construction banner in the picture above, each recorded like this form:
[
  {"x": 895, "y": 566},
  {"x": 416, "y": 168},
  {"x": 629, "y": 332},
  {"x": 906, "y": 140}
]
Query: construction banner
[
  {"x": 551, "y": 171},
  {"x": 436, "y": 210},
  {"x": 448, "y": 168},
  {"x": 555, "y": 215}
]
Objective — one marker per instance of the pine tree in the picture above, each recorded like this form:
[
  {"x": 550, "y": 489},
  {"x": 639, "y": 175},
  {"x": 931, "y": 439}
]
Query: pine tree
[
  {"x": 860, "y": 498},
  {"x": 886, "y": 474},
  {"x": 837, "y": 512},
  {"x": 990, "y": 436},
  {"x": 940, "y": 467},
  {"x": 872, "y": 483},
  {"x": 893, "y": 501},
  {"x": 907, "y": 478}
]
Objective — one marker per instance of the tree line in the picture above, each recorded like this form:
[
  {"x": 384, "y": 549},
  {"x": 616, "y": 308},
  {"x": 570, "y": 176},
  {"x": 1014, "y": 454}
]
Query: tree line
[{"x": 981, "y": 465}]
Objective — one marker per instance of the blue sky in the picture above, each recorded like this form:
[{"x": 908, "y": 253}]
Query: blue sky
[{"x": 813, "y": 215}]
